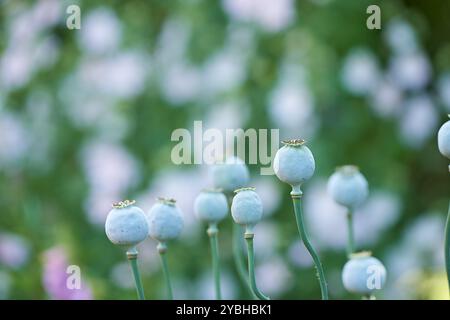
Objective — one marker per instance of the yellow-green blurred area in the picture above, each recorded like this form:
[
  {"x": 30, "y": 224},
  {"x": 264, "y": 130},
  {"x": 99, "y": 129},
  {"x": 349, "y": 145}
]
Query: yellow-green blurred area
[{"x": 86, "y": 117}]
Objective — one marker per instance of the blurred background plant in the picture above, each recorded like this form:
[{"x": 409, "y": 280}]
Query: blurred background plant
[{"x": 86, "y": 117}]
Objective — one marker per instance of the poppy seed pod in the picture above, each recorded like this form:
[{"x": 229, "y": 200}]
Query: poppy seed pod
[
  {"x": 230, "y": 175},
  {"x": 348, "y": 186},
  {"x": 294, "y": 163},
  {"x": 211, "y": 206},
  {"x": 444, "y": 139},
  {"x": 126, "y": 224},
  {"x": 165, "y": 220},
  {"x": 246, "y": 207},
  {"x": 363, "y": 274}
]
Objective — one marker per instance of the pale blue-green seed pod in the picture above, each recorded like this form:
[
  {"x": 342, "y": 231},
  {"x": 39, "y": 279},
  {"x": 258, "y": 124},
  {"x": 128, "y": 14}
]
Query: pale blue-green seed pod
[
  {"x": 126, "y": 224},
  {"x": 230, "y": 175},
  {"x": 444, "y": 139},
  {"x": 165, "y": 220},
  {"x": 294, "y": 163},
  {"x": 363, "y": 274},
  {"x": 246, "y": 207},
  {"x": 348, "y": 187},
  {"x": 211, "y": 206}
]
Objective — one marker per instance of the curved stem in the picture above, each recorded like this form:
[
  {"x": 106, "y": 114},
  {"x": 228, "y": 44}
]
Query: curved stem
[
  {"x": 350, "y": 234},
  {"x": 213, "y": 240},
  {"x": 132, "y": 255},
  {"x": 251, "y": 268},
  {"x": 447, "y": 247},
  {"x": 304, "y": 236},
  {"x": 162, "y": 249}
]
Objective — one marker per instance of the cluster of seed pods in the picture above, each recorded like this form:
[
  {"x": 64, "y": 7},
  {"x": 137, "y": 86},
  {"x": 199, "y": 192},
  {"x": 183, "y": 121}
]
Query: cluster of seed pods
[{"x": 127, "y": 225}]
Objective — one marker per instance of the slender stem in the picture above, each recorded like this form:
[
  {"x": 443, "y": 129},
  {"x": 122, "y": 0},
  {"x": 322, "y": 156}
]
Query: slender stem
[
  {"x": 447, "y": 247},
  {"x": 251, "y": 268},
  {"x": 213, "y": 240},
  {"x": 162, "y": 249},
  {"x": 237, "y": 251},
  {"x": 132, "y": 255},
  {"x": 304, "y": 236},
  {"x": 350, "y": 234},
  {"x": 238, "y": 259}
]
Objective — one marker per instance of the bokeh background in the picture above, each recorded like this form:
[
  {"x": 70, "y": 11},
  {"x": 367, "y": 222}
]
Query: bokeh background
[{"x": 86, "y": 118}]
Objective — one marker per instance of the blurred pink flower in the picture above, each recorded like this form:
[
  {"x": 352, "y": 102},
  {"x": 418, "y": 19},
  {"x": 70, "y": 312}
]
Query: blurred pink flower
[{"x": 54, "y": 277}]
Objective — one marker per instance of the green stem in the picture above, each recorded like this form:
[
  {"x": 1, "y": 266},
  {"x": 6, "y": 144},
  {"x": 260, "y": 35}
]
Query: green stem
[
  {"x": 162, "y": 249},
  {"x": 238, "y": 260},
  {"x": 213, "y": 240},
  {"x": 350, "y": 234},
  {"x": 251, "y": 268},
  {"x": 132, "y": 255},
  {"x": 304, "y": 236},
  {"x": 447, "y": 247}
]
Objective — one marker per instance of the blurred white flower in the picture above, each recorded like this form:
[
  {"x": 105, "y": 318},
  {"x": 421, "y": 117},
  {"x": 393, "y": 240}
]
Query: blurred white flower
[
  {"x": 291, "y": 108},
  {"x": 273, "y": 277},
  {"x": 223, "y": 72},
  {"x": 149, "y": 259},
  {"x": 14, "y": 139},
  {"x": 47, "y": 13},
  {"x": 14, "y": 250},
  {"x": 98, "y": 204},
  {"x": 269, "y": 192},
  {"x": 101, "y": 31},
  {"x": 299, "y": 256},
  {"x": 16, "y": 67},
  {"x": 204, "y": 287},
  {"x": 400, "y": 36},
  {"x": 172, "y": 41},
  {"x": 386, "y": 99},
  {"x": 380, "y": 212},
  {"x": 272, "y": 16},
  {"x": 419, "y": 120},
  {"x": 324, "y": 217},
  {"x": 181, "y": 83},
  {"x": 227, "y": 115},
  {"x": 410, "y": 71},
  {"x": 22, "y": 30},
  {"x": 444, "y": 90},
  {"x": 360, "y": 73},
  {"x": 109, "y": 168},
  {"x": 426, "y": 237},
  {"x": 266, "y": 240},
  {"x": 122, "y": 75}
]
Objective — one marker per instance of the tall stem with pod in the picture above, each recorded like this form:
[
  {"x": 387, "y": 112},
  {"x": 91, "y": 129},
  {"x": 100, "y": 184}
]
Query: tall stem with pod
[
  {"x": 246, "y": 210},
  {"x": 349, "y": 188},
  {"x": 211, "y": 206},
  {"x": 127, "y": 226},
  {"x": 294, "y": 164},
  {"x": 228, "y": 176},
  {"x": 165, "y": 222}
]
